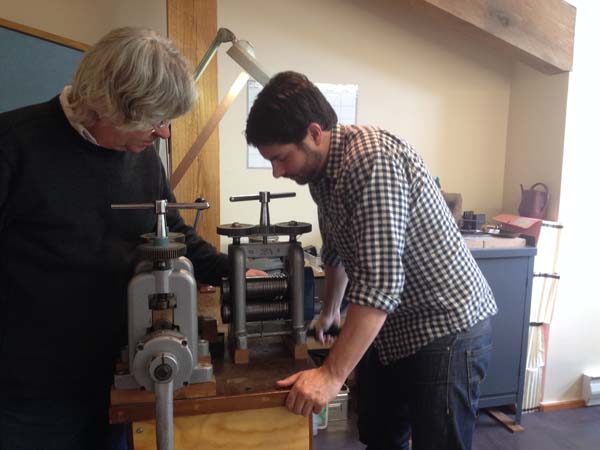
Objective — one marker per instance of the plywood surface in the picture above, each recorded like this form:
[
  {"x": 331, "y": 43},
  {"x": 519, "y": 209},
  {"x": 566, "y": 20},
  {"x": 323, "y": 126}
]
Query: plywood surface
[{"x": 265, "y": 429}]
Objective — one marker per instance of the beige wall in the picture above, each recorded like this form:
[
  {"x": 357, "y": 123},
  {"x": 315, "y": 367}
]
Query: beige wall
[
  {"x": 448, "y": 96},
  {"x": 85, "y": 20},
  {"x": 574, "y": 345},
  {"x": 535, "y": 137}
]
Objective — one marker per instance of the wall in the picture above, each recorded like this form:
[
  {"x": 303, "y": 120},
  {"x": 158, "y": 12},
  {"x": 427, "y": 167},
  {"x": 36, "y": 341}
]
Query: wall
[
  {"x": 85, "y": 20},
  {"x": 535, "y": 137},
  {"x": 574, "y": 334},
  {"x": 447, "y": 95}
]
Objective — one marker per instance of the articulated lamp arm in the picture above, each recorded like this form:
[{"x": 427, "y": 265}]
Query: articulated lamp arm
[{"x": 242, "y": 53}]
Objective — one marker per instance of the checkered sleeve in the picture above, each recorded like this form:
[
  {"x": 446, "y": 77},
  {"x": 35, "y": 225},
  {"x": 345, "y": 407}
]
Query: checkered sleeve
[{"x": 378, "y": 228}]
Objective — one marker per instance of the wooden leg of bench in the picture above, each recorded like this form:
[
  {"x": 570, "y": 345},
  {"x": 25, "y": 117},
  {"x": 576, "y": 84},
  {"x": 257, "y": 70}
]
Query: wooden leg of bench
[{"x": 505, "y": 420}]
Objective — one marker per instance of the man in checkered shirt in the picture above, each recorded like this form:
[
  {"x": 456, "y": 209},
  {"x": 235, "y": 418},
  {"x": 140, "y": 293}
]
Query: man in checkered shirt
[{"x": 393, "y": 251}]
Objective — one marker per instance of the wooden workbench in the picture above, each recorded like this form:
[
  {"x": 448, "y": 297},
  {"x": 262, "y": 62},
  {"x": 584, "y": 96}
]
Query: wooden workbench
[{"x": 247, "y": 411}]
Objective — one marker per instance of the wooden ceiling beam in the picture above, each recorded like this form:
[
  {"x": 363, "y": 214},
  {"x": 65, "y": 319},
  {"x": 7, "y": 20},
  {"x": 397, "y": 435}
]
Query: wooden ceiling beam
[{"x": 539, "y": 33}]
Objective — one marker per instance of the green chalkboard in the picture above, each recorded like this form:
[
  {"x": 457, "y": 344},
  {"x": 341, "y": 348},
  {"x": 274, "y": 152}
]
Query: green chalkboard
[{"x": 33, "y": 68}]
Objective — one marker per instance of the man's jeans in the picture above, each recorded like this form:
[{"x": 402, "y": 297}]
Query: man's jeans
[{"x": 431, "y": 396}]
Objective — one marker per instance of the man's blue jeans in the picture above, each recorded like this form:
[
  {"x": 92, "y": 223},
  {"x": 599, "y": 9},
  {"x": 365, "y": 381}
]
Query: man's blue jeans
[{"x": 431, "y": 396}]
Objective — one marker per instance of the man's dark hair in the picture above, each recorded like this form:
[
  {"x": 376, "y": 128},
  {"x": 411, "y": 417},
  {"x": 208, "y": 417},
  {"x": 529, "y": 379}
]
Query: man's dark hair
[{"x": 285, "y": 108}]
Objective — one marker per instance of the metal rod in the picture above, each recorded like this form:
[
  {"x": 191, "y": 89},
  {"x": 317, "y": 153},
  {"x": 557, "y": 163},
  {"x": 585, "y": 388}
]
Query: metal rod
[
  {"x": 199, "y": 206},
  {"x": 238, "y": 289},
  {"x": 132, "y": 206},
  {"x": 164, "y": 415},
  {"x": 243, "y": 198},
  {"x": 296, "y": 272},
  {"x": 204, "y": 205},
  {"x": 265, "y": 218},
  {"x": 208, "y": 129},
  {"x": 283, "y": 195},
  {"x": 198, "y": 213},
  {"x": 223, "y": 35},
  {"x": 161, "y": 221}
]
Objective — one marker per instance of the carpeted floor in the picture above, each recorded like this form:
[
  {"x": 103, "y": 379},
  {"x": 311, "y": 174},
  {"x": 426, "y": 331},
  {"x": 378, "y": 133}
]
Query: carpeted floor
[{"x": 572, "y": 429}]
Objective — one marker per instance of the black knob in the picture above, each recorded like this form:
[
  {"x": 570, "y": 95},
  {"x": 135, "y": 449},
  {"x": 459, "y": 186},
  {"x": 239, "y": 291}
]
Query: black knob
[{"x": 163, "y": 372}]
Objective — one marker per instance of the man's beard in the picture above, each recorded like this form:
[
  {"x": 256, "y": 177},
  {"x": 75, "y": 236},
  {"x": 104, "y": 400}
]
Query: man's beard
[{"x": 313, "y": 163}]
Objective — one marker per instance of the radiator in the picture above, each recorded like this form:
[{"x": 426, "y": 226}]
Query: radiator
[
  {"x": 591, "y": 388},
  {"x": 534, "y": 371},
  {"x": 543, "y": 298}
]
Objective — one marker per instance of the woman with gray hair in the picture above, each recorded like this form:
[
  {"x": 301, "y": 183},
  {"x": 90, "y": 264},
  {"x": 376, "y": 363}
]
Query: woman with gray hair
[{"x": 66, "y": 256}]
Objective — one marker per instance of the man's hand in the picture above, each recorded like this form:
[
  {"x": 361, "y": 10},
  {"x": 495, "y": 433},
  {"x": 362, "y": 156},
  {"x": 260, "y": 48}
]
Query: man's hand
[
  {"x": 255, "y": 273},
  {"x": 323, "y": 323},
  {"x": 311, "y": 390},
  {"x": 336, "y": 281}
]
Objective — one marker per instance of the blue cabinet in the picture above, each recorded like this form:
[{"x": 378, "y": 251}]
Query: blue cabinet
[{"x": 509, "y": 273}]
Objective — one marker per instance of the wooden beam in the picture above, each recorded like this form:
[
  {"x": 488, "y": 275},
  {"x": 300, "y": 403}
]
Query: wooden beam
[
  {"x": 44, "y": 35},
  {"x": 539, "y": 33},
  {"x": 567, "y": 404},
  {"x": 192, "y": 25},
  {"x": 132, "y": 412},
  {"x": 505, "y": 420}
]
